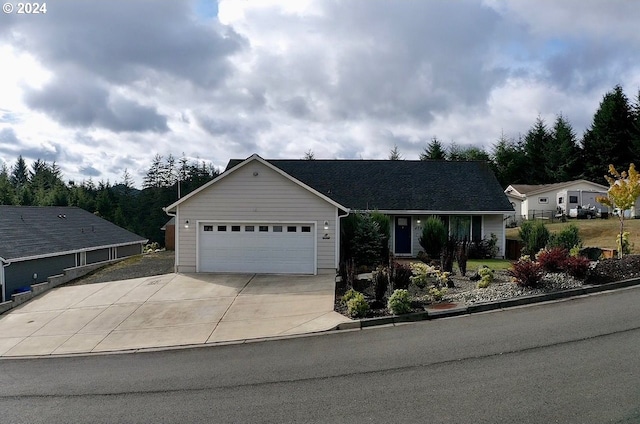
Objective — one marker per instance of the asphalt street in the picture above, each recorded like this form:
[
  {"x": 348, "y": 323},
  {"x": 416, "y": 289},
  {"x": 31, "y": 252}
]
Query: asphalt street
[{"x": 575, "y": 361}]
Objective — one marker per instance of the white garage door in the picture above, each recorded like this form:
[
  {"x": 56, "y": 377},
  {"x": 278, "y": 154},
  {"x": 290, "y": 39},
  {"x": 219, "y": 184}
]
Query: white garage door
[{"x": 260, "y": 248}]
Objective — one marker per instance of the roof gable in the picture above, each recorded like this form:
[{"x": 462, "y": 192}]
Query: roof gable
[
  {"x": 33, "y": 231},
  {"x": 436, "y": 186},
  {"x": 237, "y": 164}
]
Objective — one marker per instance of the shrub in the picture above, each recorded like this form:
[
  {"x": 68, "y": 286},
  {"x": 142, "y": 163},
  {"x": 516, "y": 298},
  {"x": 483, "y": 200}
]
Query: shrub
[
  {"x": 437, "y": 293},
  {"x": 486, "y": 277},
  {"x": 400, "y": 276},
  {"x": 552, "y": 260},
  {"x": 350, "y": 294},
  {"x": 534, "y": 236},
  {"x": 424, "y": 275},
  {"x": 566, "y": 239},
  {"x": 577, "y": 266},
  {"x": 526, "y": 272},
  {"x": 592, "y": 253},
  {"x": 380, "y": 282},
  {"x": 434, "y": 236},
  {"x": 624, "y": 245},
  {"x": 384, "y": 228},
  {"x": 484, "y": 248},
  {"x": 367, "y": 242},
  {"x": 399, "y": 302},
  {"x": 357, "y": 306}
]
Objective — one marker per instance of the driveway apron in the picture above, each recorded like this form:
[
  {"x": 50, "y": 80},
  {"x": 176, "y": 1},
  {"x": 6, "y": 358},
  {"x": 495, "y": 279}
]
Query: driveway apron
[{"x": 168, "y": 310}]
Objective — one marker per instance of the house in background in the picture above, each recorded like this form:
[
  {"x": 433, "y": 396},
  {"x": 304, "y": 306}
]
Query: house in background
[
  {"x": 283, "y": 216},
  {"x": 40, "y": 242},
  {"x": 543, "y": 200},
  {"x": 170, "y": 234}
]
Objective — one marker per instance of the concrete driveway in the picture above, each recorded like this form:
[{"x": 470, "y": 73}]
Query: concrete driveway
[{"x": 168, "y": 310}]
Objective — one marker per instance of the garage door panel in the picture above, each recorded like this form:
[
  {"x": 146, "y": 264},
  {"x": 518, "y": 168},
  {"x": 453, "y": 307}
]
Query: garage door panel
[{"x": 256, "y": 251}]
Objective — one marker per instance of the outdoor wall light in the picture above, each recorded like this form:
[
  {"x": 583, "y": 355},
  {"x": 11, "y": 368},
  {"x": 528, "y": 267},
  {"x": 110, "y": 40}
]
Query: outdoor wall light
[
  {"x": 418, "y": 221},
  {"x": 326, "y": 225},
  {"x": 186, "y": 224}
]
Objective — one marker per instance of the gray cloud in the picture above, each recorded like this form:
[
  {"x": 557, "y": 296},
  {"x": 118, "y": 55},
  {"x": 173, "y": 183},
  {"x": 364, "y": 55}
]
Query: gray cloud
[
  {"x": 124, "y": 42},
  {"x": 74, "y": 100}
]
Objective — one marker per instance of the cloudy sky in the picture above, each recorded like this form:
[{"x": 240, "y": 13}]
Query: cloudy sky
[{"x": 99, "y": 86}]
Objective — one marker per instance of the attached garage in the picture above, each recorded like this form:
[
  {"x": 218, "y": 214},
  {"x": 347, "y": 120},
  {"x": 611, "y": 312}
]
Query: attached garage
[
  {"x": 256, "y": 218},
  {"x": 257, "y": 247}
]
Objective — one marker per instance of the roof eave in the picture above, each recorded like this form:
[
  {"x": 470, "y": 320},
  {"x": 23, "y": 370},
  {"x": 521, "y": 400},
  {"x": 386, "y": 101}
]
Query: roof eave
[{"x": 70, "y": 252}]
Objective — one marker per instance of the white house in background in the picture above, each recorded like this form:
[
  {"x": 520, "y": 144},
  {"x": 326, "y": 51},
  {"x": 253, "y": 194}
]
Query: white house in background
[{"x": 543, "y": 200}]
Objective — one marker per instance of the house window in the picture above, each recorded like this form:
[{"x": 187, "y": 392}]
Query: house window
[
  {"x": 560, "y": 200},
  {"x": 263, "y": 228},
  {"x": 235, "y": 228},
  {"x": 543, "y": 200},
  {"x": 460, "y": 227},
  {"x": 305, "y": 229},
  {"x": 249, "y": 228},
  {"x": 277, "y": 228},
  {"x": 222, "y": 228},
  {"x": 208, "y": 227},
  {"x": 573, "y": 199},
  {"x": 291, "y": 229}
]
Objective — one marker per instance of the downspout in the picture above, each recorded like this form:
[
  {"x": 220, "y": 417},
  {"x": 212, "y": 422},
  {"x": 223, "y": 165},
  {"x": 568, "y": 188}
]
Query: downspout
[
  {"x": 338, "y": 241},
  {"x": 5, "y": 264}
]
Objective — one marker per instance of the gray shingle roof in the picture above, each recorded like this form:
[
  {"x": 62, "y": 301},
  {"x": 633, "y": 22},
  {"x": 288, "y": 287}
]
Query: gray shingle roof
[
  {"x": 448, "y": 186},
  {"x": 41, "y": 231}
]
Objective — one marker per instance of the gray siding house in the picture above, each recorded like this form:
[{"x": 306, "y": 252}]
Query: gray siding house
[
  {"x": 39, "y": 242},
  {"x": 283, "y": 216}
]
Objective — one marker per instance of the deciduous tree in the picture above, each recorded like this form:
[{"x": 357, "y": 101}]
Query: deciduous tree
[{"x": 624, "y": 190}]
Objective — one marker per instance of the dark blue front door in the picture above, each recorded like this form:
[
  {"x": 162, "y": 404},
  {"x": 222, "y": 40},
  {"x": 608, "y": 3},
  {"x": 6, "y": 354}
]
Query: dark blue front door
[{"x": 402, "y": 235}]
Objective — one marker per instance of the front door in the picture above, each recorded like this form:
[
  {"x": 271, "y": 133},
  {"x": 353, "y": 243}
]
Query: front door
[{"x": 402, "y": 245}]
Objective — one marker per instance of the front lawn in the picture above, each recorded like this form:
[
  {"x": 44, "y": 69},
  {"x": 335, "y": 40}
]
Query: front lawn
[{"x": 594, "y": 232}]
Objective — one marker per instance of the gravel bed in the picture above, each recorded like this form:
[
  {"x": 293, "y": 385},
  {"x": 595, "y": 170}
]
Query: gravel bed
[{"x": 503, "y": 288}]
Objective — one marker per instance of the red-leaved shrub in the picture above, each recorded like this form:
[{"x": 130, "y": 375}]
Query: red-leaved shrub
[
  {"x": 553, "y": 260},
  {"x": 577, "y": 266},
  {"x": 526, "y": 273}
]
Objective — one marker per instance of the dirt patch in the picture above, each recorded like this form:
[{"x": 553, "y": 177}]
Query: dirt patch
[{"x": 147, "y": 265}]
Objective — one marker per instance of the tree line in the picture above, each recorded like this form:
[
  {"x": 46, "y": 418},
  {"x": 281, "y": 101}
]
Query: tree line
[
  {"x": 553, "y": 153},
  {"x": 139, "y": 211},
  {"x": 545, "y": 154}
]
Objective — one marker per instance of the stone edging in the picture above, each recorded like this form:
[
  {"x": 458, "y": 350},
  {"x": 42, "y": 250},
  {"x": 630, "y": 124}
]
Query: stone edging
[{"x": 485, "y": 306}]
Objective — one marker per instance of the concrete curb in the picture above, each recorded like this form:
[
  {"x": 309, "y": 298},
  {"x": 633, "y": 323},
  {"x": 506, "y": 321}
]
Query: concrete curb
[{"x": 431, "y": 314}]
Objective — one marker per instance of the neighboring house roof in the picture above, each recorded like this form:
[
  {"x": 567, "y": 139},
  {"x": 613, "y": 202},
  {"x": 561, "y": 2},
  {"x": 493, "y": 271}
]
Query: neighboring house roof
[
  {"x": 404, "y": 185},
  {"x": 524, "y": 190},
  {"x": 169, "y": 223},
  {"x": 31, "y": 231}
]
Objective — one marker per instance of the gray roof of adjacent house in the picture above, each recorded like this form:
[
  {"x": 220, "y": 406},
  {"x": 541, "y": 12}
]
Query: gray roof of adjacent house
[
  {"x": 447, "y": 186},
  {"x": 31, "y": 231}
]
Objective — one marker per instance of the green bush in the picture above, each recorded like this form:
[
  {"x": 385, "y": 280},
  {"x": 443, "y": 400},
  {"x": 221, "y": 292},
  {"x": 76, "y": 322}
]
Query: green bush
[
  {"x": 567, "y": 239},
  {"x": 434, "y": 236},
  {"x": 384, "y": 228},
  {"x": 367, "y": 242},
  {"x": 350, "y": 294},
  {"x": 357, "y": 306},
  {"x": 399, "y": 302},
  {"x": 437, "y": 294},
  {"x": 534, "y": 236},
  {"x": 486, "y": 276}
]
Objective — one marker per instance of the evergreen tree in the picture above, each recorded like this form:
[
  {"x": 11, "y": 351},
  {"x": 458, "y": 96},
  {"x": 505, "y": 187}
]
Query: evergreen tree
[
  {"x": 394, "y": 154},
  {"x": 433, "y": 151},
  {"x": 7, "y": 192},
  {"x": 153, "y": 178},
  {"x": 609, "y": 139},
  {"x": 562, "y": 153},
  {"x": 457, "y": 152},
  {"x": 635, "y": 136},
  {"x": 309, "y": 155},
  {"x": 508, "y": 159},
  {"x": 19, "y": 174},
  {"x": 536, "y": 144}
]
